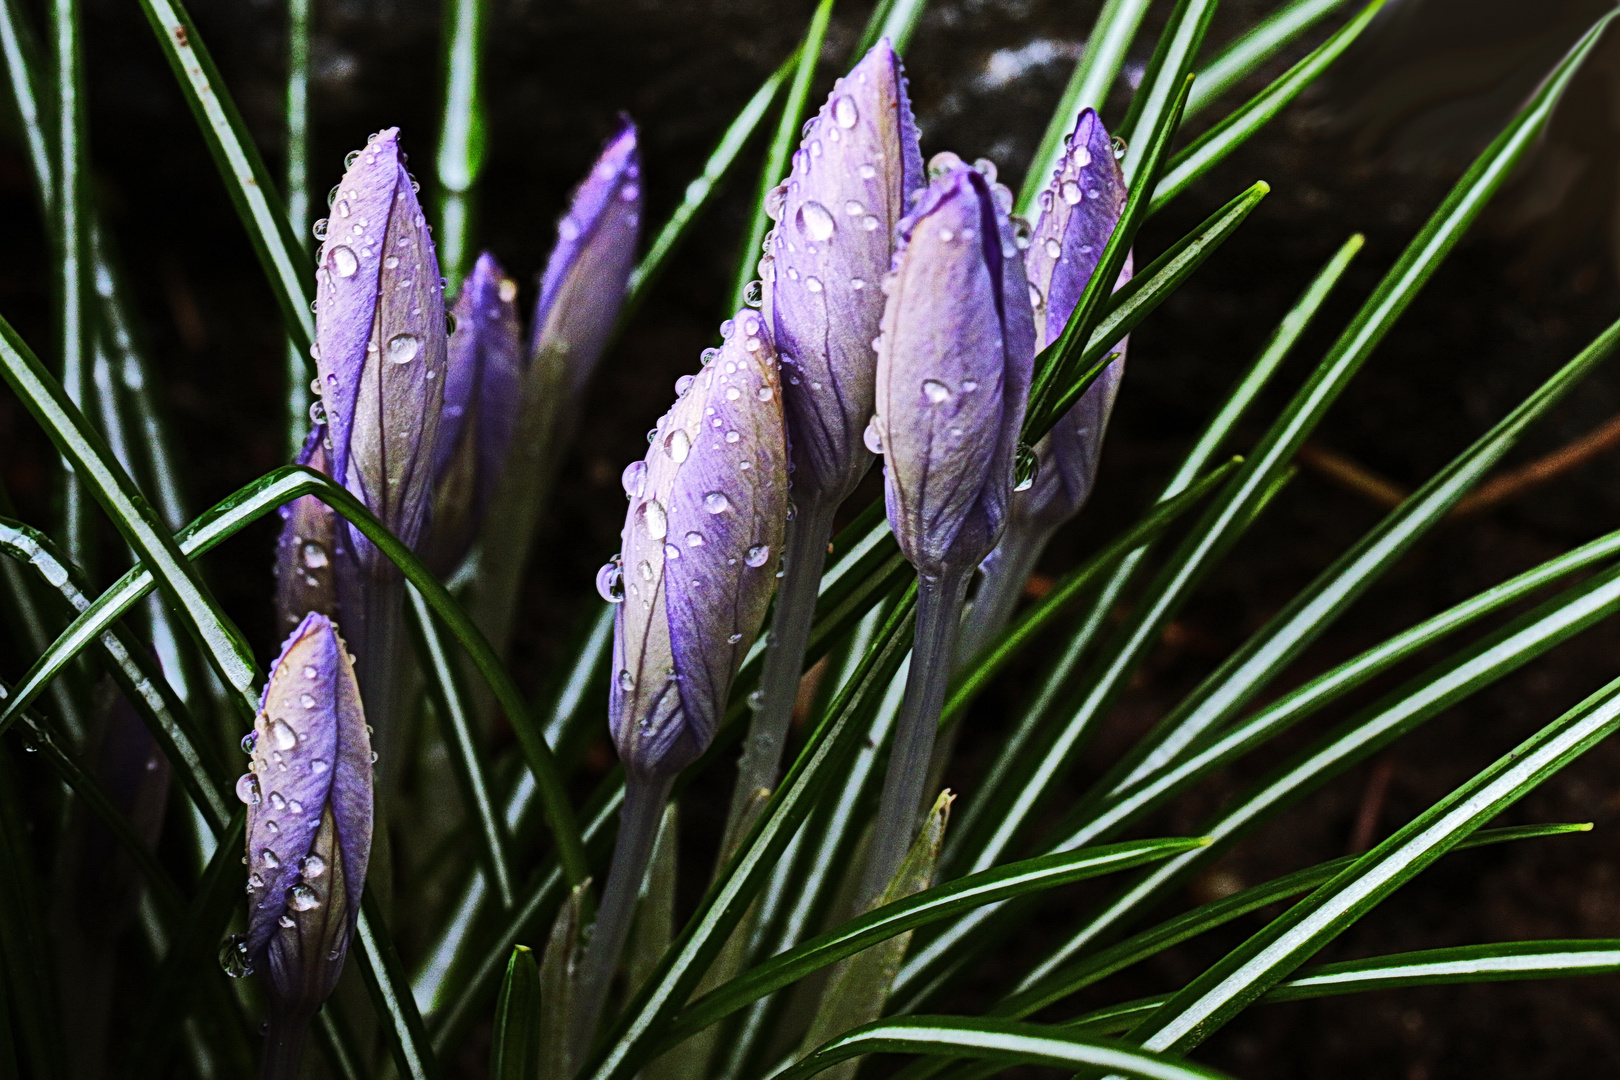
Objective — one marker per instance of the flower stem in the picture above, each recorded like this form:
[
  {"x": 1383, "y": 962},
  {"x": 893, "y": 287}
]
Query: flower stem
[
  {"x": 1004, "y": 575},
  {"x": 806, "y": 554},
  {"x": 639, "y": 820},
  {"x": 283, "y": 1047},
  {"x": 939, "y": 613}
]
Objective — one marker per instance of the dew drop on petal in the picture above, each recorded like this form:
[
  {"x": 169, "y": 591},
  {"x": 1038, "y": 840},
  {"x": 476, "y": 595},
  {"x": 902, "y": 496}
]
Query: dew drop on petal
[
  {"x": 694, "y": 539},
  {"x": 306, "y": 701},
  {"x": 855, "y": 208},
  {"x": 870, "y": 223},
  {"x": 815, "y": 221},
  {"x": 233, "y": 957},
  {"x": 754, "y": 293},
  {"x": 344, "y": 261},
  {"x": 867, "y": 171},
  {"x": 732, "y": 394},
  {"x": 318, "y": 766},
  {"x": 1070, "y": 192},
  {"x": 969, "y": 385},
  {"x": 813, "y": 284},
  {"x": 1035, "y": 297},
  {"x": 715, "y": 502},
  {"x": 653, "y": 518},
  {"x": 312, "y": 867},
  {"x": 627, "y": 681},
  {"x": 1025, "y": 466},
  {"x": 634, "y": 479},
  {"x": 845, "y": 113},
  {"x": 314, "y": 555},
  {"x": 277, "y": 801},
  {"x": 302, "y": 898},
  {"x": 682, "y": 385},
  {"x": 247, "y": 788},
  {"x": 610, "y": 582},
  {"x": 678, "y": 446},
  {"x": 1053, "y": 248},
  {"x": 671, "y": 551},
  {"x": 402, "y": 348},
  {"x": 734, "y": 638},
  {"x": 269, "y": 858},
  {"x": 935, "y": 391},
  {"x": 757, "y": 555},
  {"x": 249, "y": 741},
  {"x": 285, "y": 922},
  {"x": 283, "y": 735},
  {"x": 872, "y": 437}
]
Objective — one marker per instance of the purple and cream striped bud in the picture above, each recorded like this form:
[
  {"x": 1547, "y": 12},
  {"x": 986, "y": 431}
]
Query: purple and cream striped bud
[
  {"x": 953, "y": 374},
  {"x": 585, "y": 279},
  {"x": 481, "y": 397},
  {"x": 306, "y": 552},
  {"x": 1079, "y": 210},
  {"x": 380, "y": 332},
  {"x": 702, "y": 539},
  {"x": 836, "y": 213},
  {"x": 309, "y": 819}
]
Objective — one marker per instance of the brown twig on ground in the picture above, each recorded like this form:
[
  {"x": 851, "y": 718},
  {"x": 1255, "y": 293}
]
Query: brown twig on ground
[
  {"x": 1351, "y": 475},
  {"x": 1372, "y": 805}
]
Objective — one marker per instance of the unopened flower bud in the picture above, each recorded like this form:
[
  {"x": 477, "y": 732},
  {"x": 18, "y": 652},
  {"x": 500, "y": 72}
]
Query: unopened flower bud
[
  {"x": 702, "y": 540},
  {"x": 306, "y": 553},
  {"x": 309, "y": 819},
  {"x": 954, "y": 367}
]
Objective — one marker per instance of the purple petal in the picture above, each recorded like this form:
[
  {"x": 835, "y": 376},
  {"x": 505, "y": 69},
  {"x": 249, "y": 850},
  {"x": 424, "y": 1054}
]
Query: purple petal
[
  {"x": 953, "y": 373},
  {"x": 380, "y": 328},
  {"x": 480, "y": 402},
  {"x": 1079, "y": 210},
  {"x": 850, "y": 186},
  {"x": 306, "y": 552},
  {"x": 309, "y": 821},
  {"x": 588, "y": 271},
  {"x": 701, "y": 547}
]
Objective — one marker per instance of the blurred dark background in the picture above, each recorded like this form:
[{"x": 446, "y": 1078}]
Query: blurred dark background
[{"x": 1373, "y": 152}]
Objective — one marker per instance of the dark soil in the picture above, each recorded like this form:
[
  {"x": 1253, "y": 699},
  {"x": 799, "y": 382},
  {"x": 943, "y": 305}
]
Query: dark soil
[{"x": 1494, "y": 323}]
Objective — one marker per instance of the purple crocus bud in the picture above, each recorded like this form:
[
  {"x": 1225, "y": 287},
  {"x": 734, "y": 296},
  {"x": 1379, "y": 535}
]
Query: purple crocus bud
[
  {"x": 708, "y": 507},
  {"x": 309, "y": 819},
  {"x": 851, "y": 183},
  {"x": 954, "y": 366},
  {"x": 380, "y": 332},
  {"x": 305, "y": 552},
  {"x": 585, "y": 277},
  {"x": 480, "y": 407},
  {"x": 1079, "y": 210}
]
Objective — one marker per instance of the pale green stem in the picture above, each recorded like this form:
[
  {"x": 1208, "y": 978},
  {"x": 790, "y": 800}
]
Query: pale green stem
[
  {"x": 804, "y": 557},
  {"x": 639, "y": 820},
  {"x": 283, "y": 1047},
  {"x": 939, "y": 615},
  {"x": 70, "y": 261}
]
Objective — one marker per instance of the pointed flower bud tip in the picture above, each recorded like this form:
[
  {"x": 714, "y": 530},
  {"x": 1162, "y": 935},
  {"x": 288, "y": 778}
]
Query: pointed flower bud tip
[
  {"x": 381, "y": 340},
  {"x": 851, "y": 183},
  {"x": 954, "y": 366},
  {"x": 585, "y": 278},
  {"x": 702, "y": 540},
  {"x": 309, "y": 818},
  {"x": 1079, "y": 210},
  {"x": 481, "y": 396},
  {"x": 306, "y": 553}
]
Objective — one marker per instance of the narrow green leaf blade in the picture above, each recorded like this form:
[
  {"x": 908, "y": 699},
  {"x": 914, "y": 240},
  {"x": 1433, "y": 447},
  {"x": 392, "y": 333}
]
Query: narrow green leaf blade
[{"x": 515, "y": 1047}]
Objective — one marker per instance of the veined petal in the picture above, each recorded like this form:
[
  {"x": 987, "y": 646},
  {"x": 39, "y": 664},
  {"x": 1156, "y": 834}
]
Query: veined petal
[
  {"x": 850, "y": 185},
  {"x": 702, "y": 541}
]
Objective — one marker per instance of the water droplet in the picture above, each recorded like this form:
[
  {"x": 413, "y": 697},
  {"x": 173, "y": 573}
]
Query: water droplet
[
  {"x": 306, "y": 701},
  {"x": 870, "y": 224},
  {"x": 694, "y": 539},
  {"x": 247, "y": 788},
  {"x": 249, "y": 741},
  {"x": 318, "y": 766},
  {"x": 314, "y": 555},
  {"x": 320, "y": 229},
  {"x": 946, "y": 236},
  {"x": 727, "y": 327},
  {"x": 255, "y": 880},
  {"x": 969, "y": 385},
  {"x": 774, "y": 200},
  {"x": 671, "y": 551},
  {"x": 282, "y": 734},
  {"x": 845, "y": 113},
  {"x": 351, "y": 157},
  {"x": 935, "y": 391},
  {"x": 233, "y": 957},
  {"x": 757, "y": 555},
  {"x": 1053, "y": 248},
  {"x": 1070, "y": 192},
  {"x": 277, "y": 801},
  {"x": 1035, "y": 297},
  {"x": 715, "y": 502},
  {"x": 732, "y": 436},
  {"x": 756, "y": 699},
  {"x": 285, "y": 922},
  {"x": 986, "y": 168},
  {"x": 634, "y": 479},
  {"x": 627, "y": 681},
  {"x": 610, "y": 582},
  {"x": 854, "y": 208},
  {"x": 867, "y": 171},
  {"x": 295, "y": 806},
  {"x": 732, "y": 394},
  {"x": 764, "y": 393},
  {"x": 269, "y": 858},
  {"x": 872, "y": 437},
  {"x": 678, "y": 446},
  {"x": 734, "y": 638},
  {"x": 312, "y": 867},
  {"x": 813, "y": 284},
  {"x": 1022, "y": 232},
  {"x": 402, "y": 348},
  {"x": 1025, "y": 466},
  {"x": 1121, "y": 147},
  {"x": 682, "y": 385},
  {"x": 706, "y": 357},
  {"x": 754, "y": 293},
  {"x": 344, "y": 261},
  {"x": 653, "y": 518},
  {"x": 302, "y": 898},
  {"x": 815, "y": 221}
]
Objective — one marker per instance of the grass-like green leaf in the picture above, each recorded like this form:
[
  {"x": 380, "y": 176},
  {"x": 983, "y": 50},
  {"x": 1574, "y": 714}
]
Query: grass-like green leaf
[
  {"x": 1093, "y": 76},
  {"x": 246, "y": 179},
  {"x": 514, "y": 1052},
  {"x": 1257, "y": 45},
  {"x": 920, "y": 909},
  {"x": 893, "y": 19},
  {"x": 68, "y": 233},
  {"x": 25, "y": 959},
  {"x": 1216, "y": 144},
  {"x": 1273, "y": 953},
  {"x": 461, "y": 134},
  {"x": 776, "y": 157},
  {"x": 1007, "y": 1042},
  {"x": 390, "y": 992},
  {"x": 1163, "y": 94},
  {"x": 297, "y": 191},
  {"x": 450, "y": 701}
]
